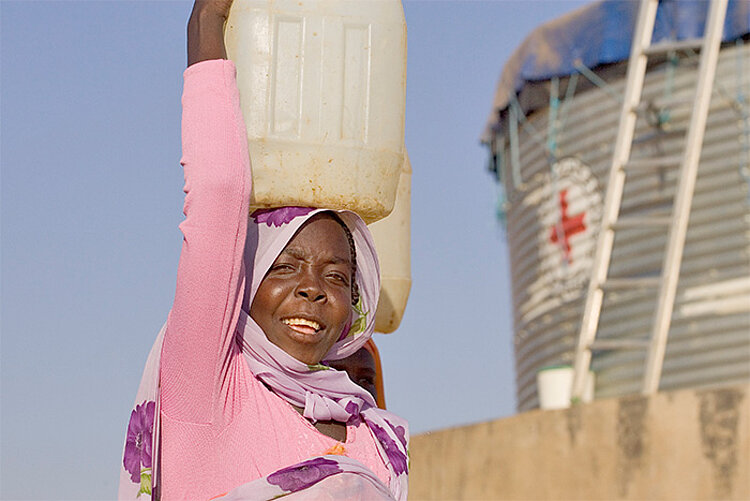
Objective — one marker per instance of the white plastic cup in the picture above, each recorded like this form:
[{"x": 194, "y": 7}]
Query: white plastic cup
[
  {"x": 323, "y": 89},
  {"x": 554, "y": 387}
]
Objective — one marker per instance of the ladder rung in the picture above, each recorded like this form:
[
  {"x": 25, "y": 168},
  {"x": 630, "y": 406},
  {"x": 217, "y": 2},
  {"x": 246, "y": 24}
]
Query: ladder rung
[
  {"x": 659, "y": 135},
  {"x": 615, "y": 344},
  {"x": 672, "y": 101},
  {"x": 637, "y": 222},
  {"x": 664, "y": 102},
  {"x": 667, "y": 46},
  {"x": 631, "y": 283},
  {"x": 653, "y": 162}
]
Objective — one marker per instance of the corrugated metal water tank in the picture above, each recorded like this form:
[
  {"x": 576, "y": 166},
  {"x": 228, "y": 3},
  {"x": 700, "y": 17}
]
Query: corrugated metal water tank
[{"x": 709, "y": 339}]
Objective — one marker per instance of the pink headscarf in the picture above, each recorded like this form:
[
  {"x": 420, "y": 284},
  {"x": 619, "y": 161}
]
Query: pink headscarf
[{"x": 323, "y": 392}]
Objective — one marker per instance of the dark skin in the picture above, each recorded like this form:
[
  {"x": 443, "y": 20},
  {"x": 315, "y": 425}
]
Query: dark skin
[
  {"x": 205, "y": 32},
  {"x": 360, "y": 367},
  {"x": 205, "y": 36},
  {"x": 304, "y": 300}
]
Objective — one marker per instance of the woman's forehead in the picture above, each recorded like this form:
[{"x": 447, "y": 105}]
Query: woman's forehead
[
  {"x": 305, "y": 254},
  {"x": 322, "y": 234}
]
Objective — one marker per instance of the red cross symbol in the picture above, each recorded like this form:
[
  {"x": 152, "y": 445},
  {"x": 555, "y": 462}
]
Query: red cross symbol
[{"x": 570, "y": 225}]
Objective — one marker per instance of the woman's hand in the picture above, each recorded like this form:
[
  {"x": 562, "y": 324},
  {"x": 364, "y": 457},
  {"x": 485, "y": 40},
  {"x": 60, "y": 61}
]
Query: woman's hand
[
  {"x": 217, "y": 7},
  {"x": 206, "y": 30}
]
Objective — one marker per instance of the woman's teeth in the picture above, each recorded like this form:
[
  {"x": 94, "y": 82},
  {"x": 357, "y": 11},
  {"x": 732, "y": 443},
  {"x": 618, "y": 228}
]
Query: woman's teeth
[{"x": 302, "y": 325}]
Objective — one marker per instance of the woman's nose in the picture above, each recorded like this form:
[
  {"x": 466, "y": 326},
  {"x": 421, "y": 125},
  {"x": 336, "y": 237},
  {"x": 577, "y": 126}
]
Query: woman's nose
[{"x": 309, "y": 288}]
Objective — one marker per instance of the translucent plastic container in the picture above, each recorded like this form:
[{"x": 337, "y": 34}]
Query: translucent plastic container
[
  {"x": 322, "y": 85},
  {"x": 554, "y": 387},
  {"x": 392, "y": 237}
]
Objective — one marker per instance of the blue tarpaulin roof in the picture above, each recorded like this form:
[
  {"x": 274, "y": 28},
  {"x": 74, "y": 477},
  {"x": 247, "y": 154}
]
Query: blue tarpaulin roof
[{"x": 601, "y": 33}]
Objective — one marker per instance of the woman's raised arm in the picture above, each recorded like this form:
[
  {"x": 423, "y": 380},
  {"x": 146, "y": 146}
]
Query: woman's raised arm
[
  {"x": 206, "y": 30},
  {"x": 198, "y": 340}
]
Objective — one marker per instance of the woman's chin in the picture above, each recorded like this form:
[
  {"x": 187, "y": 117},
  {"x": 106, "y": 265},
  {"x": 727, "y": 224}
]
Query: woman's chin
[
  {"x": 304, "y": 350},
  {"x": 306, "y": 357}
]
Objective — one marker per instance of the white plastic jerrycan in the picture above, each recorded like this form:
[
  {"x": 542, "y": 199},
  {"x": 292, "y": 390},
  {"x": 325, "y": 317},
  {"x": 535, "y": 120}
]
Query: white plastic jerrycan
[
  {"x": 322, "y": 87},
  {"x": 392, "y": 237}
]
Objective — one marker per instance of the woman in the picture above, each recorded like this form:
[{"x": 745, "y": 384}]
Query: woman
[{"x": 234, "y": 402}]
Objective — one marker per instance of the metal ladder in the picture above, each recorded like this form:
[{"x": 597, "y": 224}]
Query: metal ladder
[{"x": 676, "y": 223}]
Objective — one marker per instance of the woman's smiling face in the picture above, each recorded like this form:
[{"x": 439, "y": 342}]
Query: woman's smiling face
[{"x": 304, "y": 300}]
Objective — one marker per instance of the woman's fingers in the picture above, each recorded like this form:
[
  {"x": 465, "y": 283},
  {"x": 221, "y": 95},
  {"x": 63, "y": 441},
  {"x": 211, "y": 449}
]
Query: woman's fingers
[{"x": 217, "y": 7}]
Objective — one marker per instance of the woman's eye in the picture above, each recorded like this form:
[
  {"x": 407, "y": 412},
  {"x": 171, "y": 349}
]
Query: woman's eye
[
  {"x": 339, "y": 277},
  {"x": 282, "y": 267}
]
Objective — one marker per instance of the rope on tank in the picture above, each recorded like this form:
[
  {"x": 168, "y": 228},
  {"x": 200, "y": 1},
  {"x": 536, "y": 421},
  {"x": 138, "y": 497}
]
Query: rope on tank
[
  {"x": 501, "y": 207},
  {"x": 552, "y": 123},
  {"x": 515, "y": 155},
  {"x": 552, "y": 128},
  {"x": 555, "y": 124},
  {"x": 497, "y": 167},
  {"x": 538, "y": 137},
  {"x": 597, "y": 80},
  {"x": 516, "y": 116},
  {"x": 742, "y": 107},
  {"x": 569, "y": 93},
  {"x": 664, "y": 114},
  {"x": 719, "y": 88}
]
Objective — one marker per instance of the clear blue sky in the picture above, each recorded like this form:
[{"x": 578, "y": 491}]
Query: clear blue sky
[{"x": 92, "y": 196}]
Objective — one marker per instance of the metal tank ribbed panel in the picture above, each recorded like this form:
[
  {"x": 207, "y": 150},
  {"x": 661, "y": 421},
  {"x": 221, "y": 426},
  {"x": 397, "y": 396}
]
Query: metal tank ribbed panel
[{"x": 709, "y": 339}]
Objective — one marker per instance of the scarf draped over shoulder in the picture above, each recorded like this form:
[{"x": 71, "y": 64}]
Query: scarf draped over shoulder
[{"x": 323, "y": 393}]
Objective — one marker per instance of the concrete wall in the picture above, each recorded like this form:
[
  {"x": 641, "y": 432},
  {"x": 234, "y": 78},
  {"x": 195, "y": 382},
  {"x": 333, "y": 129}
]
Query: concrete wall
[{"x": 689, "y": 444}]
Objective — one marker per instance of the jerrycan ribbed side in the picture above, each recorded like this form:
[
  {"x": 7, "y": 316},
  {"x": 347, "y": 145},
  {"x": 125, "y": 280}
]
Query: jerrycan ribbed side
[
  {"x": 392, "y": 237},
  {"x": 322, "y": 88}
]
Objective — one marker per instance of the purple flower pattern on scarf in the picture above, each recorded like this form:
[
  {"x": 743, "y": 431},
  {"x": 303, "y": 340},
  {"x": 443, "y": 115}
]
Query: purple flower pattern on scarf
[
  {"x": 303, "y": 475},
  {"x": 138, "y": 441},
  {"x": 280, "y": 216},
  {"x": 400, "y": 433},
  {"x": 353, "y": 409},
  {"x": 397, "y": 458}
]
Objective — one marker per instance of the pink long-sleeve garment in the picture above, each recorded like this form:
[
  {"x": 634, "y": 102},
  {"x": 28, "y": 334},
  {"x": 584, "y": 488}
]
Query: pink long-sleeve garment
[{"x": 221, "y": 427}]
